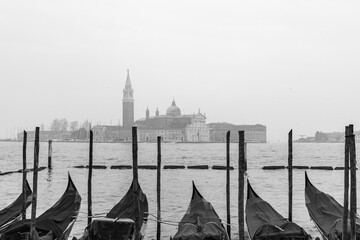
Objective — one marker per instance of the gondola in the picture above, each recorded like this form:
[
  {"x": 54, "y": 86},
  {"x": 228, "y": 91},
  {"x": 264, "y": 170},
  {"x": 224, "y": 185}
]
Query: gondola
[
  {"x": 56, "y": 222},
  {"x": 326, "y": 212},
  {"x": 264, "y": 222},
  {"x": 200, "y": 221},
  {"x": 13, "y": 211},
  {"x": 119, "y": 223}
]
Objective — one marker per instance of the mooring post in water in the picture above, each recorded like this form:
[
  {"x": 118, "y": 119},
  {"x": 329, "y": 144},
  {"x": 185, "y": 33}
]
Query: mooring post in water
[
  {"x": 158, "y": 189},
  {"x": 89, "y": 178},
  {"x": 352, "y": 183},
  {"x": 242, "y": 159},
  {"x": 346, "y": 185},
  {"x": 50, "y": 154},
  {"x": 290, "y": 163},
  {"x": 228, "y": 226},
  {"x": 245, "y": 154},
  {"x": 23, "y": 213},
  {"x": 135, "y": 181},
  {"x": 35, "y": 179}
]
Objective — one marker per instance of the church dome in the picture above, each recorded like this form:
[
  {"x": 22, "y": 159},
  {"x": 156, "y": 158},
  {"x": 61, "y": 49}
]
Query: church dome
[{"x": 173, "y": 110}]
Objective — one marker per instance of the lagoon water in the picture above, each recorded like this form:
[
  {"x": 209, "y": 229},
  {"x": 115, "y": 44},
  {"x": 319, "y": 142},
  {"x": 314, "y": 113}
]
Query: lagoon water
[{"x": 109, "y": 185}]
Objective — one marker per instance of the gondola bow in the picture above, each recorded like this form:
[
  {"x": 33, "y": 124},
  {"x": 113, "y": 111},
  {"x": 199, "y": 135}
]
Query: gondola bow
[
  {"x": 13, "y": 211},
  {"x": 119, "y": 223},
  {"x": 264, "y": 222},
  {"x": 58, "y": 219},
  {"x": 200, "y": 221},
  {"x": 326, "y": 212}
]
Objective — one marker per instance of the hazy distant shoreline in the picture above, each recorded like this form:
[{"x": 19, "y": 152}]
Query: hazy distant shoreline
[{"x": 7, "y": 140}]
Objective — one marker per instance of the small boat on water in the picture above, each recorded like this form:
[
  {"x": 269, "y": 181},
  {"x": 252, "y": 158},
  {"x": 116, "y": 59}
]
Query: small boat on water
[
  {"x": 119, "y": 223},
  {"x": 264, "y": 222},
  {"x": 200, "y": 221},
  {"x": 54, "y": 223},
  {"x": 326, "y": 212},
  {"x": 13, "y": 211}
]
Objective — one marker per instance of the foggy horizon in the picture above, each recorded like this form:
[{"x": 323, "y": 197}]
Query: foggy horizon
[{"x": 285, "y": 65}]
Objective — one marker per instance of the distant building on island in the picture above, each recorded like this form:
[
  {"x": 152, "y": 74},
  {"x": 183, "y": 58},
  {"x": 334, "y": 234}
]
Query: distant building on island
[
  {"x": 328, "y": 137},
  {"x": 172, "y": 127},
  {"x": 253, "y": 133}
]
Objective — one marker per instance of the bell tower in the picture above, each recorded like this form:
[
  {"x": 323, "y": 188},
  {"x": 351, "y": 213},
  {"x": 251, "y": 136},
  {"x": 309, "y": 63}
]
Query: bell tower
[{"x": 128, "y": 103}]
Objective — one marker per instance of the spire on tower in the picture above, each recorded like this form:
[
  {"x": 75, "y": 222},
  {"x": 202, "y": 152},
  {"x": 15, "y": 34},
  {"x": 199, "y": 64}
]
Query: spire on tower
[
  {"x": 128, "y": 91},
  {"x": 147, "y": 113},
  {"x": 128, "y": 82}
]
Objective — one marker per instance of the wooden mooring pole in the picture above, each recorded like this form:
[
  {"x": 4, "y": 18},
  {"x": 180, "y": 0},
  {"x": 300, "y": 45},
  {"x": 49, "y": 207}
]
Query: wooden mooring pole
[
  {"x": 50, "y": 154},
  {"x": 346, "y": 185},
  {"x": 35, "y": 179},
  {"x": 242, "y": 159},
  {"x": 158, "y": 189},
  {"x": 23, "y": 213},
  {"x": 89, "y": 178},
  {"x": 228, "y": 217},
  {"x": 245, "y": 158},
  {"x": 352, "y": 183},
  {"x": 290, "y": 161},
  {"x": 135, "y": 180}
]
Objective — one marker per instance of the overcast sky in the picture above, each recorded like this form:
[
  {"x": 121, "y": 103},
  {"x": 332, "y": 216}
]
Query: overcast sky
[{"x": 284, "y": 64}]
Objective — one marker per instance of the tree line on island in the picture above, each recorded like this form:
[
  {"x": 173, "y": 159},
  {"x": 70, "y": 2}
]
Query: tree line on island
[
  {"x": 62, "y": 129},
  {"x": 63, "y": 125}
]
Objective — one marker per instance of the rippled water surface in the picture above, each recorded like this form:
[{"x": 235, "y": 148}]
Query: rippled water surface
[{"x": 110, "y": 185}]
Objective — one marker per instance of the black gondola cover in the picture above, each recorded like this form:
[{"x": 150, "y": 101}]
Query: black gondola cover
[
  {"x": 264, "y": 222},
  {"x": 326, "y": 212},
  {"x": 119, "y": 222},
  {"x": 13, "y": 211},
  {"x": 58, "y": 219},
  {"x": 126, "y": 207},
  {"x": 200, "y": 221}
]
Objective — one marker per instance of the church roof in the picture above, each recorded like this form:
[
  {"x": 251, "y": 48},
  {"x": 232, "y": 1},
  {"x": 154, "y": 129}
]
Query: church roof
[
  {"x": 173, "y": 110},
  {"x": 166, "y": 116},
  {"x": 141, "y": 127}
]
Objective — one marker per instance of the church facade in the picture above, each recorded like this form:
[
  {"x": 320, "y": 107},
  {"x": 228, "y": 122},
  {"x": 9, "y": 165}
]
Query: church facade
[{"x": 173, "y": 126}]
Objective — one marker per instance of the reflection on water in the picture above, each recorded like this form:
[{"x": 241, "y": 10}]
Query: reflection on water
[
  {"x": 109, "y": 185},
  {"x": 49, "y": 177}
]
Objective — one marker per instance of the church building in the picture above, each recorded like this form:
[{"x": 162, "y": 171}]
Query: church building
[{"x": 173, "y": 126}]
